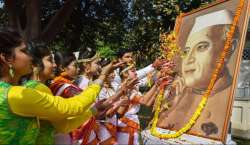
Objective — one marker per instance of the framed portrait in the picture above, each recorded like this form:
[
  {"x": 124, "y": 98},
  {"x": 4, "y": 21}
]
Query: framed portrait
[{"x": 202, "y": 35}]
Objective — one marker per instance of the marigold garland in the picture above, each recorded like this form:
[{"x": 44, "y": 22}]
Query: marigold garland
[
  {"x": 169, "y": 47},
  {"x": 203, "y": 102}
]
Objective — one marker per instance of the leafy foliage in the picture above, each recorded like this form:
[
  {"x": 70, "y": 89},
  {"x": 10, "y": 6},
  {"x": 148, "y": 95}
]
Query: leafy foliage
[
  {"x": 105, "y": 51},
  {"x": 118, "y": 24},
  {"x": 3, "y": 15}
]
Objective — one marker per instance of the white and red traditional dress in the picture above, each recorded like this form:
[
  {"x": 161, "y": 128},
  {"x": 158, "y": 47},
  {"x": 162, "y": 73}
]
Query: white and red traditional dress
[
  {"x": 63, "y": 86},
  {"x": 129, "y": 125},
  {"x": 97, "y": 131}
]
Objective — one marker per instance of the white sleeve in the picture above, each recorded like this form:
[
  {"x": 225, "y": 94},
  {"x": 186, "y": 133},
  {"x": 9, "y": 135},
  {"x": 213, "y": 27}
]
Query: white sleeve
[
  {"x": 117, "y": 80},
  {"x": 143, "y": 82},
  {"x": 82, "y": 82},
  {"x": 102, "y": 94},
  {"x": 144, "y": 71}
]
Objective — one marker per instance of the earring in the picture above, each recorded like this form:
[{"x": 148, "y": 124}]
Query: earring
[{"x": 11, "y": 71}]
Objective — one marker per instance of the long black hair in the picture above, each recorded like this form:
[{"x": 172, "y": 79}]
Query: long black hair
[
  {"x": 63, "y": 59},
  {"x": 121, "y": 52},
  {"x": 9, "y": 40},
  {"x": 38, "y": 51}
]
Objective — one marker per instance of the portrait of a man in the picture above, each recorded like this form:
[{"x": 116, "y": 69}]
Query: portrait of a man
[
  {"x": 202, "y": 34},
  {"x": 202, "y": 49}
]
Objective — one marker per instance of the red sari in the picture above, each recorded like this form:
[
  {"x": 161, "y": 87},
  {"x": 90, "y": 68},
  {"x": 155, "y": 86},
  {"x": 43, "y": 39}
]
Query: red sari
[{"x": 63, "y": 86}]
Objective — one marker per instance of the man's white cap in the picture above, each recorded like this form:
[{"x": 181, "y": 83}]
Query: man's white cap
[{"x": 221, "y": 17}]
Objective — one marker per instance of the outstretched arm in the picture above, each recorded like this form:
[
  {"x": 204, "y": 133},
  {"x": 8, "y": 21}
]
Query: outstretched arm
[
  {"x": 149, "y": 97},
  {"x": 69, "y": 124},
  {"x": 142, "y": 73},
  {"x": 31, "y": 103}
]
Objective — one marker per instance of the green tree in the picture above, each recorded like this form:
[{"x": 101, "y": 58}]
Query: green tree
[
  {"x": 151, "y": 17},
  {"x": 80, "y": 24},
  {"x": 29, "y": 18},
  {"x": 91, "y": 22}
]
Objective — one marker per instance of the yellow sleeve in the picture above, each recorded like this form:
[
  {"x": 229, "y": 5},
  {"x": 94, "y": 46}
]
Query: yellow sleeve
[
  {"x": 32, "y": 103},
  {"x": 67, "y": 125},
  {"x": 71, "y": 123},
  {"x": 43, "y": 88}
]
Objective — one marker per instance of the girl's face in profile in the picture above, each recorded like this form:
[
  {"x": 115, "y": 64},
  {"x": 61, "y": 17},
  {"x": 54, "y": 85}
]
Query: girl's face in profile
[
  {"x": 72, "y": 69},
  {"x": 132, "y": 73},
  {"x": 95, "y": 68},
  {"x": 22, "y": 61},
  {"x": 49, "y": 67}
]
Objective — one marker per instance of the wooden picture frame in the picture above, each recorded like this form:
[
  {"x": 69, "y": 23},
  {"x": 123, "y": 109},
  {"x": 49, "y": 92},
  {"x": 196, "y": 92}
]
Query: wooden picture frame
[{"x": 189, "y": 27}]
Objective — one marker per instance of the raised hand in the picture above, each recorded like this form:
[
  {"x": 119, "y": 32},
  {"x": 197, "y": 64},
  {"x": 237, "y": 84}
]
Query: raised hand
[
  {"x": 129, "y": 84},
  {"x": 124, "y": 101},
  {"x": 179, "y": 85},
  {"x": 99, "y": 105},
  {"x": 101, "y": 108},
  {"x": 167, "y": 69},
  {"x": 124, "y": 105},
  {"x": 110, "y": 67},
  {"x": 166, "y": 80},
  {"x": 118, "y": 64},
  {"x": 158, "y": 63}
]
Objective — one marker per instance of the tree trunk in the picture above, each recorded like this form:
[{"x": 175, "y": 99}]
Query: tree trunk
[
  {"x": 74, "y": 41},
  {"x": 33, "y": 22},
  {"x": 58, "y": 21},
  {"x": 12, "y": 9}
]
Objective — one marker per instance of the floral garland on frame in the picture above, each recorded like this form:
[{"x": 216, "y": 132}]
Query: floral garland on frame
[{"x": 203, "y": 102}]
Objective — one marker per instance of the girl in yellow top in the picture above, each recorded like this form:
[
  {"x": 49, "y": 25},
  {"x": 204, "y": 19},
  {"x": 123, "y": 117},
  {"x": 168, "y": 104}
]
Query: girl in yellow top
[
  {"x": 20, "y": 106},
  {"x": 43, "y": 66}
]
